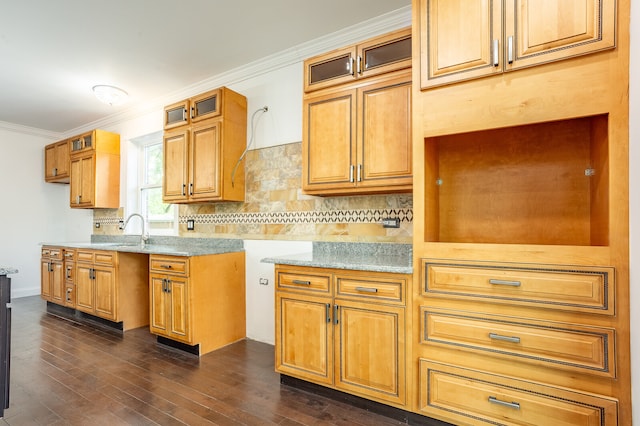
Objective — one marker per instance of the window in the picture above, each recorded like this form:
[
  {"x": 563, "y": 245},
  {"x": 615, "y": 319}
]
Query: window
[{"x": 161, "y": 218}]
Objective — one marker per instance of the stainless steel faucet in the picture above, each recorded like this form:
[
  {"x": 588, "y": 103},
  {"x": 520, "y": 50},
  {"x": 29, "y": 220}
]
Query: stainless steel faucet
[{"x": 144, "y": 237}]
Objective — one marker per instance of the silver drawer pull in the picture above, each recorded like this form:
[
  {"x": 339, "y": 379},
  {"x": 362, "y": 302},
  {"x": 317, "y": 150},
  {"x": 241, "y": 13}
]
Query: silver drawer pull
[
  {"x": 367, "y": 289},
  {"x": 511, "y": 339},
  {"x": 503, "y": 282},
  {"x": 166, "y": 266},
  {"x": 300, "y": 282},
  {"x": 494, "y": 400}
]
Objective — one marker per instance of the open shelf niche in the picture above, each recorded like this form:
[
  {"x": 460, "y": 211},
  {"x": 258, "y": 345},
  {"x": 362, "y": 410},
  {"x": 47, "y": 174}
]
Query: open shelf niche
[{"x": 544, "y": 183}]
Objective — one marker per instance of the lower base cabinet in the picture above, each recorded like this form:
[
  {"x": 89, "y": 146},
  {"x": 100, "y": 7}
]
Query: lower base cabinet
[
  {"x": 343, "y": 329},
  {"x": 113, "y": 286},
  {"x": 198, "y": 300}
]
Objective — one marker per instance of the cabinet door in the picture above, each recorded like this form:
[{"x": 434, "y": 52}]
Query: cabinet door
[
  {"x": 548, "y": 30},
  {"x": 56, "y": 162},
  {"x": 329, "y": 69},
  {"x": 204, "y": 157},
  {"x": 179, "y": 320},
  {"x": 175, "y": 151},
  {"x": 84, "y": 287},
  {"x": 328, "y": 141},
  {"x": 458, "y": 40},
  {"x": 384, "y": 134},
  {"x": 370, "y": 350},
  {"x": 206, "y": 105},
  {"x": 384, "y": 54},
  {"x": 57, "y": 282},
  {"x": 45, "y": 279},
  {"x": 105, "y": 293},
  {"x": 176, "y": 114},
  {"x": 304, "y": 337},
  {"x": 158, "y": 305},
  {"x": 82, "y": 191}
]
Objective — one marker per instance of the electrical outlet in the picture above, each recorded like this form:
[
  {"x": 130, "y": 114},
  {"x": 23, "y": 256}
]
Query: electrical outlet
[
  {"x": 97, "y": 225},
  {"x": 264, "y": 281},
  {"x": 391, "y": 222},
  {"x": 121, "y": 225},
  {"x": 190, "y": 225}
]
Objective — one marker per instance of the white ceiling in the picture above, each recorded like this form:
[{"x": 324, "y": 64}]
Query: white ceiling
[{"x": 53, "y": 52}]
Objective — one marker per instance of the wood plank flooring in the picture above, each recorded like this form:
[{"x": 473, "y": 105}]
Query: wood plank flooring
[{"x": 67, "y": 373}]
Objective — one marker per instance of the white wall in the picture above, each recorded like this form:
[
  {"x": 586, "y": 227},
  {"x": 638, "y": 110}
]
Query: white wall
[
  {"x": 634, "y": 206},
  {"x": 33, "y": 211},
  {"x": 261, "y": 298}
]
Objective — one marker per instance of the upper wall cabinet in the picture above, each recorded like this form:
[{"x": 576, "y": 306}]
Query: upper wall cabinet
[
  {"x": 379, "y": 55},
  {"x": 466, "y": 39},
  {"x": 95, "y": 170},
  {"x": 56, "y": 162},
  {"x": 204, "y": 139}
]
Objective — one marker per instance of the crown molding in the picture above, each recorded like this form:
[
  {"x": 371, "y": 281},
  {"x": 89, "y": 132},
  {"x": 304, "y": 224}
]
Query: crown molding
[
  {"x": 387, "y": 22},
  {"x": 31, "y": 131}
]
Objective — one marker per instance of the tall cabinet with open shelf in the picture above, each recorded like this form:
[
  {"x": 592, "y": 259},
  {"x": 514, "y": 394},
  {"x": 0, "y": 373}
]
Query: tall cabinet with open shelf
[{"x": 521, "y": 234}]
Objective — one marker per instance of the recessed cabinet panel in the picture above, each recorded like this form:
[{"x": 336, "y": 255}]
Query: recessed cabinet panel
[
  {"x": 175, "y": 165},
  {"x": 205, "y": 106},
  {"x": 205, "y": 161},
  {"x": 176, "y": 114}
]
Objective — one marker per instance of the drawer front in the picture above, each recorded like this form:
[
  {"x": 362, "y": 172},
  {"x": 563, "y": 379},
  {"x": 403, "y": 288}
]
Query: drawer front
[
  {"x": 303, "y": 280},
  {"x": 470, "y": 397},
  {"x": 105, "y": 258},
  {"x": 564, "y": 346},
  {"x": 54, "y": 253},
  {"x": 69, "y": 255},
  {"x": 169, "y": 265},
  {"x": 384, "y": 290},
  {"x": 85, "y": 256},
  {"x": 579, "y": 289}
]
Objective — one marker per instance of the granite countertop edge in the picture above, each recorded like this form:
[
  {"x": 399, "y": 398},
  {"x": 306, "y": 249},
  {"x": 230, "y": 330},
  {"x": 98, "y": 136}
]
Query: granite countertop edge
[
  {"x": 171, "y": 246},
  {"x": 7, "y": 270},
  {"x": 395, "y": 258}
]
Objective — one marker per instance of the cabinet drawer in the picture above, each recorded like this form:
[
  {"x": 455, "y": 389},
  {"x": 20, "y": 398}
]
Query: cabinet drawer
[
  {"x": 374, "y": 288},
  {"x": 578, "y": 289},
  {"x": 169, "y": 265},
  {"x": 53, "y": 253},
  {"x": 105, "y": 258},
  {"x": 471, "y": 397},
  {"x": 84, "y": 256},
  {"x": 69, "y": 255},
  {"x": 565, "y": 346},
  {"x": 303, "y": 280}
]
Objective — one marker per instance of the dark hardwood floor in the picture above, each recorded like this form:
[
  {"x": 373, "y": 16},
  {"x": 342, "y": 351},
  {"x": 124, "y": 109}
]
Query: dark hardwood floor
[{"x": 67, "y": 373}]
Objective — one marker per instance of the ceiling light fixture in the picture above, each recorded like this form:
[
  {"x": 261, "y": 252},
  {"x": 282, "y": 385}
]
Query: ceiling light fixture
[{"x": 110, "y": 95}]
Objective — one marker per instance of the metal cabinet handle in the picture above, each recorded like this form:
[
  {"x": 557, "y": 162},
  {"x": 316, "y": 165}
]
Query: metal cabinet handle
[
  {"x": 512, "y": 339},
  {"x": 166, "y": 266},
  {"x": 193, "y": 111},
  {"x": 359, "y": 172},
  {"x": 335, "y": 315},
  {"x": 55, "y": 171},
  {"x": 184, "y": 114},
  {"x": 351, "y": 173},
  {"x": 191, "y": 188},
  {"x": 301, "y": 282},
  {"x": 168, "y": 285},
  {"x": 328, "y": 312},
  {"x": 360, "y": 70},
  {"x": 496, "y": 56},
  {"x": 494, "y": 400},
  {"x": 367, "y": 289},
  {"x": 503, "y": 282},
  {"x": 184, "y": 189},
  {"x": 510, "y": 49},
  {"x": 350, "y": 66}
]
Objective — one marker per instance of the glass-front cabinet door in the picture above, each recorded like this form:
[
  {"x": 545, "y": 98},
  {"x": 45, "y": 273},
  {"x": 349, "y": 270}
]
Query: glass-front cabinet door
[
  {"x": 384, "y": 54},
  {"x": 82, "y": 143},
  {"x": 333, "y": 68},
  {"x": 176, "y": 114},
  {"x": 205, "y": 106}
]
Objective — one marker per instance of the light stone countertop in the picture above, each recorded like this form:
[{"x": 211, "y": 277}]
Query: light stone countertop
[
  {"x": 376, "y": 257},
  {"x": 6, "y": 270},
  {"x": 172, "y": 246}
]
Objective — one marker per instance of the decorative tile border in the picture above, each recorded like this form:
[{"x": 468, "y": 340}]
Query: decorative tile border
[{"x": 295, "y": 217}]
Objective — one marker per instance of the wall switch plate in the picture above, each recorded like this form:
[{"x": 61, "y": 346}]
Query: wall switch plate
[
  {"x": 264, "y": 281},
  {"x": 190, "y": 225},
  {"x": 391, "y": 222}
]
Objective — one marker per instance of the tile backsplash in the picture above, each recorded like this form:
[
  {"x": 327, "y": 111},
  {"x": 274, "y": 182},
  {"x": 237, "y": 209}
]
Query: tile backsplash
[{"x": 276, "y": 208}]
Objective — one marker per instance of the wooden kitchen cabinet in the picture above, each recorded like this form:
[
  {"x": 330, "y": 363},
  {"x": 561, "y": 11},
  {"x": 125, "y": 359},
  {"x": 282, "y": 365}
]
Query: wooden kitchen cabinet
[
  {"x": 52, "y": 276},
  {"x": 357, "y": 138},
  {"x": 69, "y": 277},
  {"x": 462, "y": 39},
  {"x": 95, "y": 170},
  {"x": 113, "y": 286},
  {"x": 198, "y": 300},
  {"x": 343, "y": 329},
  {"x": 56, "y": 162},
  {"x": 201, "y": 151},
  {"x": 378, "y": 55}
]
